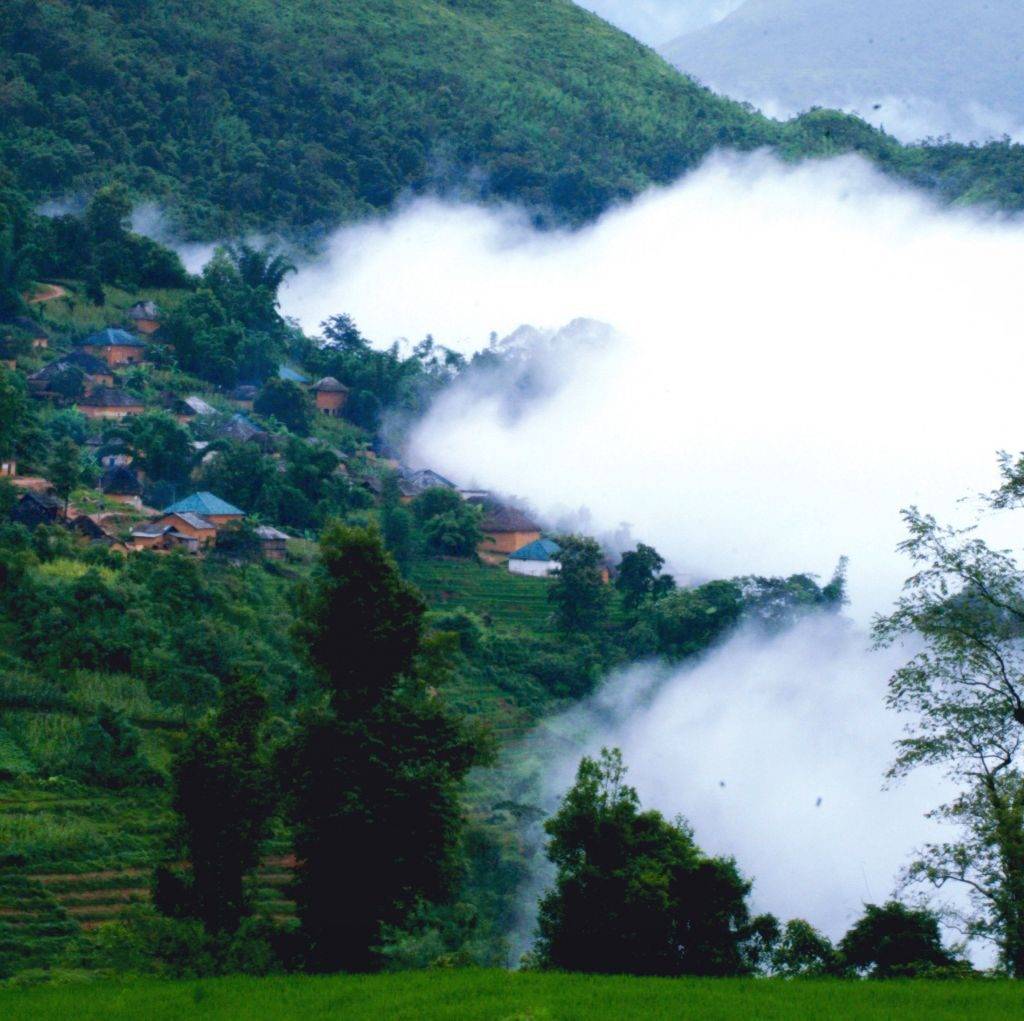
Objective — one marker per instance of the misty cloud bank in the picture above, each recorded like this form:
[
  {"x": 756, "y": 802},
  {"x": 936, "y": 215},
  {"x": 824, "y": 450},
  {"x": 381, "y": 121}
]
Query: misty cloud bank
[
  {"x": 794, "y": 354},
  {"x": 801, "y": 352},
  {"x": 773, "y": 749}
]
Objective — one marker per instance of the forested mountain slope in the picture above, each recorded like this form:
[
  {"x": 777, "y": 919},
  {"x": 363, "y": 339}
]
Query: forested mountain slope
[{"x": 300, "y": 115}]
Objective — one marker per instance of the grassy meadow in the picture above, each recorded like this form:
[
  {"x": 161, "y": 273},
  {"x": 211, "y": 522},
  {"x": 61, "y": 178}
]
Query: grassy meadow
[{"x": 486, "y": 995}]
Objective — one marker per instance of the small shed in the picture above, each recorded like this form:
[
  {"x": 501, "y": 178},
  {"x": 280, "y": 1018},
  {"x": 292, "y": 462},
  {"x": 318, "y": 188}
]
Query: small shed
[
  {"x": 144, "y": 317},
  {"x": 330, "y": 396},
  {"x": 536, "y": 559},
  {"x": 88, "y": 528},
  {"x": 273, "y": 542},
  {"x": 185, "y": 409},
  {"x": 244, "y": 395}
]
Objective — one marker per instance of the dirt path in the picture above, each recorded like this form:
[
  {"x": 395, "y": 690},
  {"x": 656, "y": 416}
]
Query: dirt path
[{"x": 48, "y": 293}]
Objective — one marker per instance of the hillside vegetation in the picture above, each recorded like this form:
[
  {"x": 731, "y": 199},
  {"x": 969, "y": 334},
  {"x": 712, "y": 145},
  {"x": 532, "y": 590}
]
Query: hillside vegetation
[
  {"x": 484, "y": 995},
  {"x": 300, "y": 115}
]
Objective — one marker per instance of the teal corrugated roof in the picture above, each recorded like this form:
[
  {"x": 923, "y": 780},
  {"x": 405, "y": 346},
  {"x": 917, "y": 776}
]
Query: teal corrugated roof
[
  {"x": 202, "y": 504},
  {"x": 112, "y": 337},
  {"x": 283, "y": 372},
  {"x": 539, "y": 549}
]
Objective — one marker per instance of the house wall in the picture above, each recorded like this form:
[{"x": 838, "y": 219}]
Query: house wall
[
  {"x": 222, "y": 519},
  {"x": 8, "y": 469},
  {"x": 146, "y": 326},
  {"x": 38, "y": 343},
  {"x": 205, "y": 535},
  {"x": 498, "y": 545},
  {"x": 146, "y": 541},
  {"x": 329, "y": 402},
  {"x": 104, "y": 412},
  {"x": 116, "y": 355},
  {"x": 534, "y": 568},
  {"x": 274, "y": 549}
]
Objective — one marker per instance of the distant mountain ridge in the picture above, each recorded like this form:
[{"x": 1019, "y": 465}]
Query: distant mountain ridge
[{"x": 919, "y": 66}]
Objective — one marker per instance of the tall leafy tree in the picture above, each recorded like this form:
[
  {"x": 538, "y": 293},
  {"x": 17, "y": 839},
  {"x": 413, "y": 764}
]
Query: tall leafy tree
[
  {"x": 224, "y": 798},
  {"x": 65, "y": 469},
  {"x": 579, "y": 593},
  {"x": 373, "y": 777},
  {"x": 963, "y": 694},
  {"x": 896, "y": 941},
  {"x": 14, "y": 406},
  {"x": 639, "y": 576},
  {"x": 634, "y": 893}
]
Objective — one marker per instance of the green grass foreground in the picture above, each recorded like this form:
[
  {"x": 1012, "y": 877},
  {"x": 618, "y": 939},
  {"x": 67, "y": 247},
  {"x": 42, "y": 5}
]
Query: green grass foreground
[{"x": 513, "y": 997}]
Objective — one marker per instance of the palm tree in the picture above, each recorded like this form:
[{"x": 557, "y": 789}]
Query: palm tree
[{"x": 260, "y": 267}]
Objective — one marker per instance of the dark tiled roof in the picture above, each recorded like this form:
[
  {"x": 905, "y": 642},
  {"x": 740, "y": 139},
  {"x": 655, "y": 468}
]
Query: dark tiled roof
[
  {"x": 499, "y": 517},
  {"x": 120, "y": 480},
  {"x": 109, "y": 397}
]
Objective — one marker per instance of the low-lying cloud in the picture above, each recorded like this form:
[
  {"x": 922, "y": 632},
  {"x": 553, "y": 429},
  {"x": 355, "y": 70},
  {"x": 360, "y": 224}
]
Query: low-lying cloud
[
  {"x": 773, "y": 750},
  {"x": 796, "y": 353},
  {"x": 801, "y": 352}
]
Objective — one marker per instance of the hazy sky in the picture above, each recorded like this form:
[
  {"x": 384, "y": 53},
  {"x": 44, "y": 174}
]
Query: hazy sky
[
  {"x": 917, "y": 67},
  {"x": 659, "y": 21}
]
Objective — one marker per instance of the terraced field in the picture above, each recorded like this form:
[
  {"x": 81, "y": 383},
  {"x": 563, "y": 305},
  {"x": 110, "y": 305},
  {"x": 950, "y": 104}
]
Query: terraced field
[
  {"x": 514, "y": 602},
  {"x": 74, "y": 857}
]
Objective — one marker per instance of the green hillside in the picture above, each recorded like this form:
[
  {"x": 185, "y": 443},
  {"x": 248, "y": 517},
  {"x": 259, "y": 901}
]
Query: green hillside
[
  {"x": 486, "y": 995},
  {"x": 299, "y": 115}
]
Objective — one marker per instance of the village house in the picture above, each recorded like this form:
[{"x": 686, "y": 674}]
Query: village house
[
  {"x": 536, "y": 559},
  {"x": 36, "y": 508},
  {"x": 330, "y": 396},
  {"x": 95, "y": 373},
  {"x": 241, "y": 429},
  {"x": 144, "y": 317},
  {"x": 185, "y": 409},
  {"x": 23, "y": 333},
  {"x": 189, "y": 524},
  {"x": 8, "y": 468},
  {"x": 122, "y": 485},
  {"x": 273, "y": 543},
  {"x": 211, "y": 508},
  {"x": 162, "y": 538},
  {"x": 116, "y": 347},
  {"x": 506, "y": 529},
  {"x": 89, "y": 529},
  {"x": 108, "y": 402}
]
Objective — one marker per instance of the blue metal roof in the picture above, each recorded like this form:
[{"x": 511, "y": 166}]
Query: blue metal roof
[
  {"x": 539, "y": 549},
  {"x": 283, "y": 372},
  {"x": 112, "y": 337},
  {"x": 202, "y": 504}
]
